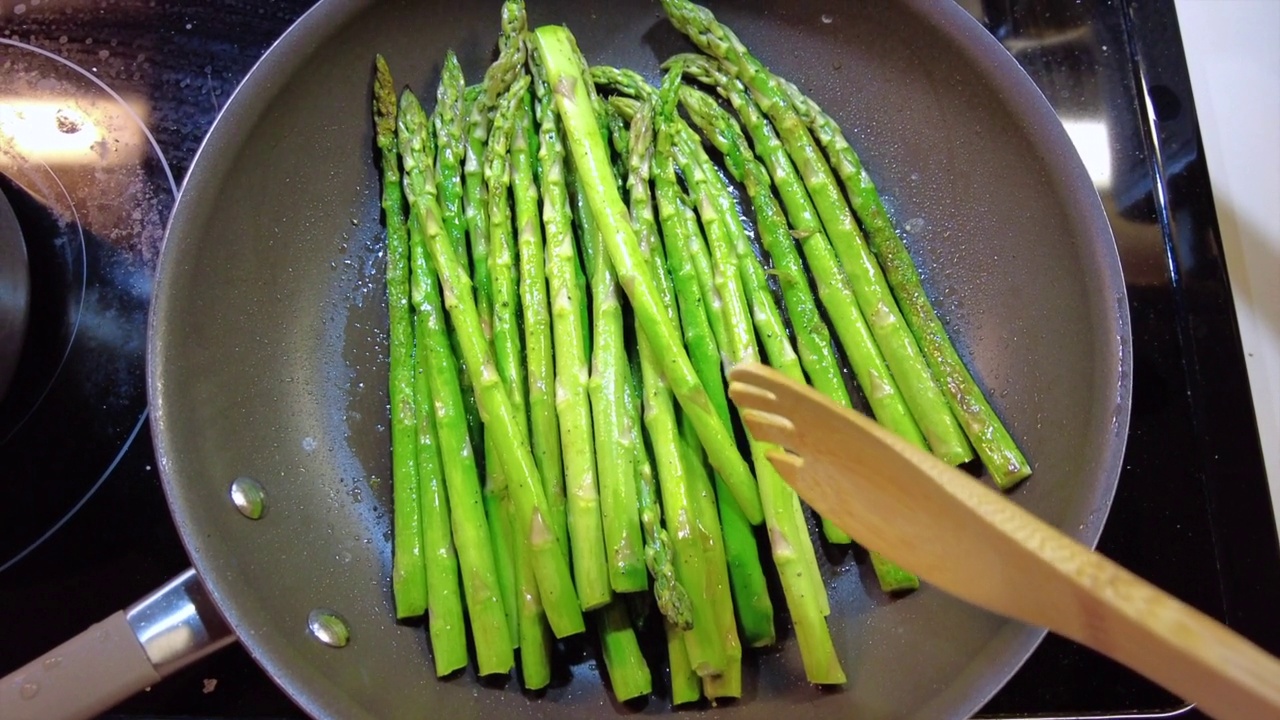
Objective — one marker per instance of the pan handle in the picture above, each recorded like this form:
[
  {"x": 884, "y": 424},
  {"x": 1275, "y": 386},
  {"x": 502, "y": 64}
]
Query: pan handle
[{"x": 130, "y": 650}]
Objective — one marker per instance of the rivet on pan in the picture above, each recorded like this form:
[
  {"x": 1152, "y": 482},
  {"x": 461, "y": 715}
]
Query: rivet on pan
[
  {"x": 328, "y": 627},
  {"x": 248, "y": 497}
]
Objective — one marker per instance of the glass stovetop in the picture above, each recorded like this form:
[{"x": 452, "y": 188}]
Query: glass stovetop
[{"x": 84, "y": 529}]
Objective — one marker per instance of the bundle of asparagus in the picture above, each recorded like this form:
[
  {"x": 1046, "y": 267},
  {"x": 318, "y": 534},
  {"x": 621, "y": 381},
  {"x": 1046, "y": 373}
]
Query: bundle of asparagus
[{"x": 568, "y": 277}]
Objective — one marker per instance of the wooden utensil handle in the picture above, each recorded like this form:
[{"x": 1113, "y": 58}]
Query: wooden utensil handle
[
  {"x": 1082, "y": 595},
  {"x": 1194, "y": 656}
]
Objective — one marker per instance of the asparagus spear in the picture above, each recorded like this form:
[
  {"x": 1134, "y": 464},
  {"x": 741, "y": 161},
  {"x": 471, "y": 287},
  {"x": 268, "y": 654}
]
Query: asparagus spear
[
  {"x": 615, "y": 452},
  {"x": 529, "y": 501},
  {"x": 729, "y": 240},
  {"x": 728, "y": 683},
  {"x": 454, "y": 103},
  {"x": 470, "y": 531},
  {"x": 620, "y": 138},
  {"x": 409, "y": 579},
  {"x": 631, "y": 536},
  {"x": 813, "y": 338},
  {"x": 445, "y": 624},
  {"x": 622, "y": 514},
  {"x": 730, "y": 539},
  {"x": 686, "y": 686},
  {"x": 811, "y": 332},
  {"x": 700, "y": 567},
  {"x": 570, "y": 345},
  {"x": 705, "y": 650},
  {"x": 736, "y": 343},
  {"x": 449, "y": 120},
  {"x": 507, "y": 341},
  {"x": 635, "y": 87},
  {"x": 504, "y": 324},
  {"x": 788, "y": 535},
  {"x": 549, "y": 130},
  {"x": 508, "y": 350},
  {"x": 705, "y": 653},
  {"x": 748, "y": 579},
  {"x": 998, "y": 450},
  {"x": 449, "y": 123},
  {"x": 587, "y": 542},
  {"x": 497, "y": 78},
  {"x": 720, "y": 217},
  {"x": 834, "y": 289},
  {"x": 543, "y": 421},
  {"x": 745, "y": 573},
  {"x": 623, "y": 661},
  {"x": 927, "y": 403},
  {"x": 816, "y": 354},
  {"x": 535, "y": 634},
  {"x": 673, "y": 601},
  {"x": 714, "y": 577},
  {"x": 560, "y": 58}
]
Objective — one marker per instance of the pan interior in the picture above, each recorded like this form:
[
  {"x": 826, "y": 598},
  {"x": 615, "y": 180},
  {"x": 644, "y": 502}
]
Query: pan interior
[{"x": 268, "y": 340}]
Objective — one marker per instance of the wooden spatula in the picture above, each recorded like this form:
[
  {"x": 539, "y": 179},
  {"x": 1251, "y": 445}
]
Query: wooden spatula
[{"x": 973, "y": 542}]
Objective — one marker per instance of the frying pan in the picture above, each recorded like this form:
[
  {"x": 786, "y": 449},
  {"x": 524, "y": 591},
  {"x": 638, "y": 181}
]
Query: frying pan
[{"x": 268, "y": 343}]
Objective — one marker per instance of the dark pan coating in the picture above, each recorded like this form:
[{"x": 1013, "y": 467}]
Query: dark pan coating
[{"x": 268, "y": 342}]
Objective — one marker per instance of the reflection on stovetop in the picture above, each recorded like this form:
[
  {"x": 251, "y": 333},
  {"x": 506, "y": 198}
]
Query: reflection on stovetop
[
  {"x": 1190, "y": 512},
  {"x": 91, "y": 193}
]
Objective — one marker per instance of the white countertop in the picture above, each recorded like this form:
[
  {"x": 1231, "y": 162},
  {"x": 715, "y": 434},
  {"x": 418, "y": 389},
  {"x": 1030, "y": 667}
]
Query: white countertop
[{"x": 1233, "y": 53}]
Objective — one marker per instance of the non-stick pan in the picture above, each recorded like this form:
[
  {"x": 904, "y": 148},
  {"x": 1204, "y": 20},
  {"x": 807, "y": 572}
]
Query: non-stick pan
[{"x": 268, "y": 353}]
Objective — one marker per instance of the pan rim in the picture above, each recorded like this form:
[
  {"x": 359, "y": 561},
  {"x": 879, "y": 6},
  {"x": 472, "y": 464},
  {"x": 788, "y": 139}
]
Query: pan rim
[
  {"x": 280, "y": 60},
  {"x": 325, "y": 19}
]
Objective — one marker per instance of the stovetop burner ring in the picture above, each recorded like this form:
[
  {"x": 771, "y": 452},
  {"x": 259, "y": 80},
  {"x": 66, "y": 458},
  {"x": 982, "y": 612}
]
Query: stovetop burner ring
[
  {"x": 92, "y": 191},
  {"x": 76, "y": 261}
]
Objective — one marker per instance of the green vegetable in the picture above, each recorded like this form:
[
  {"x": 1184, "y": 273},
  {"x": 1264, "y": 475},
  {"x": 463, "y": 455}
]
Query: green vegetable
[
  {"x": 999, "y": 452},
  {"x": 508, "y": 342},
  {"x": 535, "y": 634},
  {"x": 529, "y": 500},
  {"x": 615, "y": 444},
  {"x": 788, "y": 535},
  {"x": 741, "y": 289},
  {"x": 543, "y": 421},
  {"x": 409, "y": 574},
  {"x": 560, "y": 58},
  {"x": 624, "y": 512},
  {"x": 445, "y": 624},
  {"x": 673, "y": 601},
  {"x": 678, "y": 222},
  {"x": 704, "y": 649},
  {"x": 570, "y": 345},
  {"x": 628, "y": 672},
  {"x": 686, "y": 686},
  {"x": 470, "y": 530},
  {"x": 480, "y": 102},
  {"x": 928, "y": 405},
  {"x": 497, "y": 79},
  {"x": 833, "y": 285},
  {"x": 811, "y": 332},
  {"x": 449, "y": 121}
]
